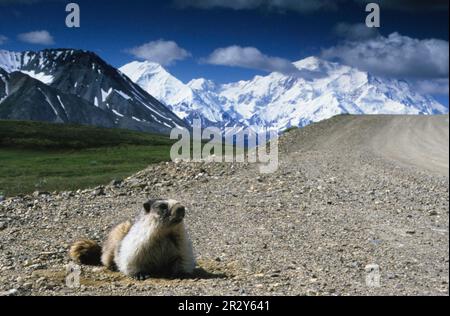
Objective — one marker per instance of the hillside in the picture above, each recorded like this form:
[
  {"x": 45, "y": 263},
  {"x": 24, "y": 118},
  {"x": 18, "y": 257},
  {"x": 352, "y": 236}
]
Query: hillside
[{"x": 38, "y": 135}]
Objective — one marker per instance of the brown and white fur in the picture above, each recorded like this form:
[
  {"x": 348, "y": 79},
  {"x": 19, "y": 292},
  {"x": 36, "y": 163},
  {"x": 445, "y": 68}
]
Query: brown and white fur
[{"x": 156, "y": 244}]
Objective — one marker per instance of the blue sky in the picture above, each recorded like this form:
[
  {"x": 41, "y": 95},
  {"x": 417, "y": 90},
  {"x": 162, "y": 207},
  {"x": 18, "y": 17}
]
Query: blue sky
[{"x": 290, "y": 31}]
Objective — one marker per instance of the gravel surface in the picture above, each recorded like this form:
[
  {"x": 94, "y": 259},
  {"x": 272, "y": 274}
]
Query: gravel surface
[{"x": 337, "y": 208}]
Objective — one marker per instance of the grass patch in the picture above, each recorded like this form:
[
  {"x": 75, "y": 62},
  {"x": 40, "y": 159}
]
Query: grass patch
[
  {"x": 49, "y": 157},
  {"x": 37, "y": 135}
]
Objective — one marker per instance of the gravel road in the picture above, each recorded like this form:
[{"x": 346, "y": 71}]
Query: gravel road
[
  {"x": 417, "y": 141},
  {"x": 355, "y": 199}
]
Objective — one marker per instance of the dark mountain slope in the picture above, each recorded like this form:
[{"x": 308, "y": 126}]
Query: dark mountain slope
[{"x": 104, "y": 90}]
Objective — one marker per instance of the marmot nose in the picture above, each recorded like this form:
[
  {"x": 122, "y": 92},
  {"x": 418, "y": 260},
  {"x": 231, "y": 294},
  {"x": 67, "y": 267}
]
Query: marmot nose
[{"x": 179, "y": 211}]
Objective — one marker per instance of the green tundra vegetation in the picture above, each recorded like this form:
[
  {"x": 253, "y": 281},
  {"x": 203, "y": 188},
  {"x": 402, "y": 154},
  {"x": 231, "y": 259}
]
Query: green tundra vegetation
[{"x": 38, "y": 156}]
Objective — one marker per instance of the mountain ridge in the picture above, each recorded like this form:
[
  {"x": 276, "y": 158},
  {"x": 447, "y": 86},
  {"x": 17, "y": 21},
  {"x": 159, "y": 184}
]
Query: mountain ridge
[
  {"x": 144, "y": 96},
  {"x": 89, "y": 78},
  {"x": 278, "y": 101}
]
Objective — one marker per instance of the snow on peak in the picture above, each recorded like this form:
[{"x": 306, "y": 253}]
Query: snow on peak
[
  {"x": 202, "y": 84},
  {"x": 158, "y": 82},
  {"x": 280, "y": 101},
  {"x": 42, "y": 77},
  {"x": 10, "y": 61},
  {"x": 320, "y": 66},
  {"x": 311, "y": 63},
  {"x": 138, "y": 70},
  {"x": 13, "y": 61}
]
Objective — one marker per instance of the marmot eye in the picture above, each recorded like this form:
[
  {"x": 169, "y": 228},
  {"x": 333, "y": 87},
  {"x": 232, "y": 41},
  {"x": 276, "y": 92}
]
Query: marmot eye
[{"x": 147, "y": 207}]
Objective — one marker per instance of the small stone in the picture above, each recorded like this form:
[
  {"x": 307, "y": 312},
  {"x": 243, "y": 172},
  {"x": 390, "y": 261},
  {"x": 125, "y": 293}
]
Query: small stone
[
  {"x": 311, "y": 293},
  {"x": 391, "y": 276},
  {"x": 3, "y": 226},
  {"x": 12, "y": 292},
  {"x": 275, "y": 275},
  {"x": 116, "y": 183},
  {"x": 275, "y": 285},
  {"x": 37, "y": 266},
  {"x": 27, "y": 285},
  {"x": 98, "y": 192},
  {"x": 39, "y": 193},
  {"x": 40, "y": 280},
  {"x": 433, "y": 213},
  {"x": 411, "y": 232}
]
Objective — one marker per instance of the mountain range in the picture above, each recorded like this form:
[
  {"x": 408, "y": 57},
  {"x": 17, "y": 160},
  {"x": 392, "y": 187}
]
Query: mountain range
[
  {"x": 76, "y": 86},
  {"x": 279, "y": 101}
]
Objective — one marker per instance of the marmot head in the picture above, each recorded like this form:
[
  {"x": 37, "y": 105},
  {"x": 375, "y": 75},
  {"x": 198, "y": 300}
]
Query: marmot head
[{"x": 165, "y": 212}]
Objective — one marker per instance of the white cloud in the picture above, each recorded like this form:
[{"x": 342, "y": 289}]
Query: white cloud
[
  {"x": 3, "y": 39},
  {"x": 253, "y": 58},
  {"x": 249, "y": 57},
  {"x": 162, "y": 52},
  {"x": 278, "y": 5},
  {"x": 395, "y": 56},
  {"x": 433, "y": 87},
  {"x": 37, "y": 37}
]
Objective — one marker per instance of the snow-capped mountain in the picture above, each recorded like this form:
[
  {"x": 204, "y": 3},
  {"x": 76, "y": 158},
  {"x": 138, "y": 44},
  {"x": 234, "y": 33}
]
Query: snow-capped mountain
[
  {"x": 278, "y": 101},
  {"x": 55, "y": 81},
  {"x": 182, "y": 99},
  {"x": 25, "y": 98},
  {"x": 153, "y": 77}
]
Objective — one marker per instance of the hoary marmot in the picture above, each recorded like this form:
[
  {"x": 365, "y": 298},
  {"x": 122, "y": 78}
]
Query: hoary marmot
[{"x": 156, "y": 244}]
